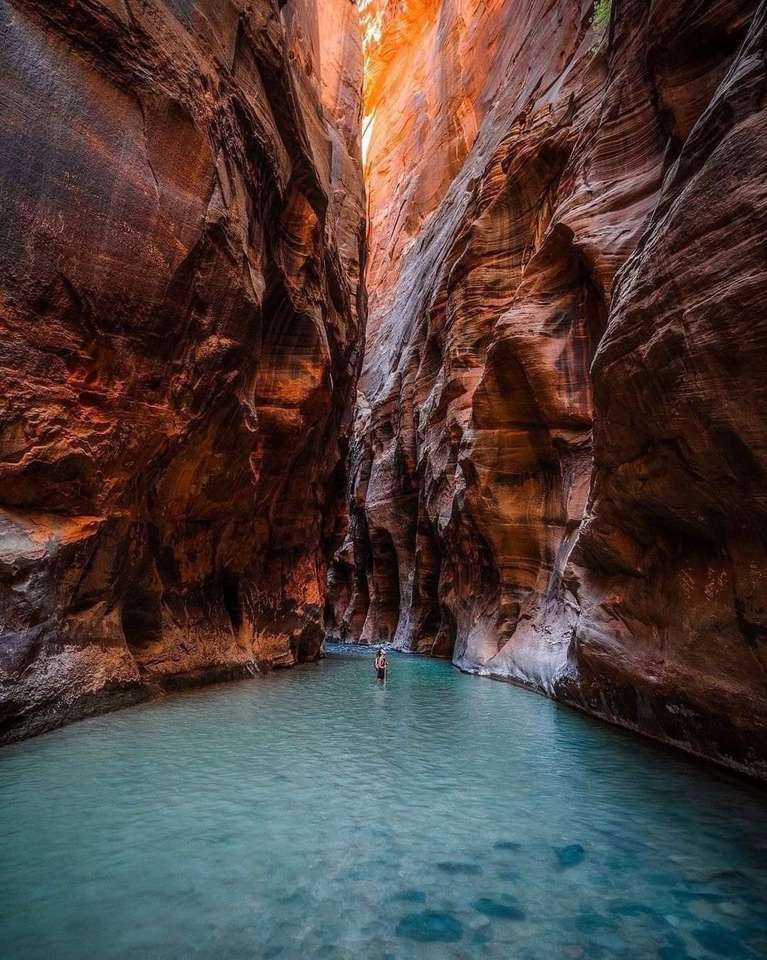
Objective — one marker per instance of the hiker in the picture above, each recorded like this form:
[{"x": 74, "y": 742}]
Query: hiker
[{"x": 380, "y": 664}]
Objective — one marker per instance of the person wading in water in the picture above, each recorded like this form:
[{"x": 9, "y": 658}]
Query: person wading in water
[{"x": 380, "y": 664}]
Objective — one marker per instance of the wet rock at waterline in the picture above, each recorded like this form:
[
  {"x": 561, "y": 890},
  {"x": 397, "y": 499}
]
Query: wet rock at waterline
[
  {"x": 558, "y": 470},
  {"x": 182, "y": 312}
]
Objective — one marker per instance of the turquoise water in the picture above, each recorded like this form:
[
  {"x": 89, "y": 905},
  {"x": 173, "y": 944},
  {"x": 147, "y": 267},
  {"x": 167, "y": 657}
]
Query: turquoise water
[{"x": 314, "y": 814}]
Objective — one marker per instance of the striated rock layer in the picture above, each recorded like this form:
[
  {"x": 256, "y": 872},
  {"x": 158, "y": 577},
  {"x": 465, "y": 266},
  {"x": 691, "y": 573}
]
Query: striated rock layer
[
  {"x": 559, "y": 455},
  {"x": 181, "y": 305}
]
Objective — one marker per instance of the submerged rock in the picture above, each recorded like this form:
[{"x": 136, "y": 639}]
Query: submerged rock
[
  {"x": 570, "y": 856},
  {"x": 411, "y": 896},
  {"x": 508, "y": 909},
  {"x": 430, "y": 926},
  {"x": 720, "y": 941},
  {"x": 451, "y": 866}
]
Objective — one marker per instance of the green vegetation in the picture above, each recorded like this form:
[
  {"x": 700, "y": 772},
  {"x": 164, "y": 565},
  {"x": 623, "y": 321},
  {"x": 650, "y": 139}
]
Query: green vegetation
[{"x": 601, "y": 15}]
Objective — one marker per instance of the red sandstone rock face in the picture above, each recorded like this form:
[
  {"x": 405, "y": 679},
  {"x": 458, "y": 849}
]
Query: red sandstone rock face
[
  {"x": 558, "y": 471},
  {"x": 180, "y": 297},
  {"x": 670, "y": 567}
]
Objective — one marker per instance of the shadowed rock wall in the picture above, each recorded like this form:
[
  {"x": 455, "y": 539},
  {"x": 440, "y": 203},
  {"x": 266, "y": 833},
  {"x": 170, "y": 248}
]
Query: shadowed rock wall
[
  {"x": 558, "y": 465},
  {"x": 181, "y": 306}
]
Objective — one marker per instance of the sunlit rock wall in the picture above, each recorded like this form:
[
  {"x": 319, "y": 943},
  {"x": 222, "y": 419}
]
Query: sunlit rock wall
[
  {"x": 558, "y": 471},
  {"x": 180, "y": 260}
]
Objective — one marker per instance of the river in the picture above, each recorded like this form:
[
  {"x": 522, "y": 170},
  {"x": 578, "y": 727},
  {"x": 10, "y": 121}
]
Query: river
[{"x": 313, "y": 813}]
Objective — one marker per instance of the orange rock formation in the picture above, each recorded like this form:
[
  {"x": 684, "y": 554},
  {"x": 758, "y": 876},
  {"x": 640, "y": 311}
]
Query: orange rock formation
[
  {"x": 558, "y": 471},
  {"x": 182, "y": 312}
]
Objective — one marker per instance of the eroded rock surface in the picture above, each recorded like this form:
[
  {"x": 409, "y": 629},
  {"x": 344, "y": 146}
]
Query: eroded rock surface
[
  {"x": 182, "y": 313},
  {"x": 558, "y": 465}
]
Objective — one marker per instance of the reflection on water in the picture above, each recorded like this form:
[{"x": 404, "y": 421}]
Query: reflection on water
[{"x": 316, "y": 814}]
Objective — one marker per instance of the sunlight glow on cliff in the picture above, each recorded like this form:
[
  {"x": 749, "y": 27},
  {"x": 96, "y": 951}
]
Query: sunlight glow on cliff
[{"x": 371, "y": 15}]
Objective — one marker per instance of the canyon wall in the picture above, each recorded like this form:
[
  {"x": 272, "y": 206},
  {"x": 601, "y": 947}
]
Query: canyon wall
[
  {"x": 182, "y": 310},
  {"x": 558, "y": 467}
]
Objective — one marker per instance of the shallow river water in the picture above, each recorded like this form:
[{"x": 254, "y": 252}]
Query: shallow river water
[{"x": 315, "y": 814}]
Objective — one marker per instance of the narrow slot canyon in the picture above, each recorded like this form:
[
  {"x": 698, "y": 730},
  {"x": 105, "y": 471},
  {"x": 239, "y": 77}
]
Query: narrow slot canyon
[
  {"x": 429, "y": 331},
  {"x": 428, "y": 324}
]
